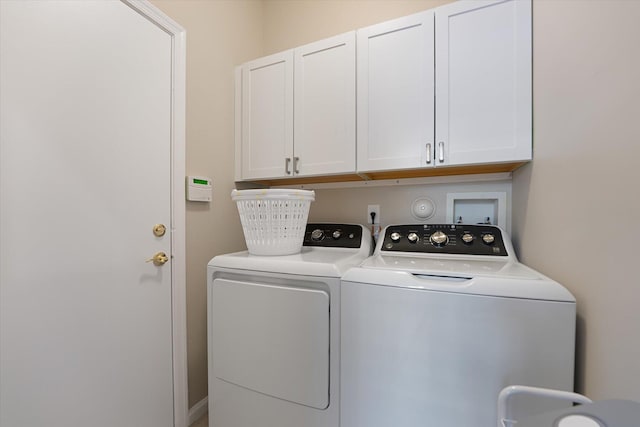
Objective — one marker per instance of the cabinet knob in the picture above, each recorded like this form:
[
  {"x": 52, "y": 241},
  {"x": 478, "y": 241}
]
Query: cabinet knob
[
  {"x": 286, "y": 165},
  {"x": 429, "y": 154}
]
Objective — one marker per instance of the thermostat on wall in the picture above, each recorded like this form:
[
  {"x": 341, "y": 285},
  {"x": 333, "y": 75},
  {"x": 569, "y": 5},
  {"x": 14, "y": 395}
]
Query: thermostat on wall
[{"x": 199, "y": 189}]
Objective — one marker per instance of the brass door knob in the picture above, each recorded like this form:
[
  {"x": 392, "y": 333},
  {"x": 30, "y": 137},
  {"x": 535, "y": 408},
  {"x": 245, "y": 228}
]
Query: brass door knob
[{"x": 159, "y": 258}]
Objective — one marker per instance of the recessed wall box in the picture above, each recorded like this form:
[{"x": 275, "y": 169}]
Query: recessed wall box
[
  {"x": 478, "y": 208},
  {"x": 199, "y": 189}
]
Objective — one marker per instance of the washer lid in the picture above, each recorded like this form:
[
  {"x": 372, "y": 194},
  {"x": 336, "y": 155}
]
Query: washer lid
[
  {"x": 488, "y": 278},
  {"x": 469, "y": 266}
]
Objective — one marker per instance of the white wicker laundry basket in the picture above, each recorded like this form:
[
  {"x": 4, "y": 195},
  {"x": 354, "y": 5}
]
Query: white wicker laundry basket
[{"x": 273, "y": 220}]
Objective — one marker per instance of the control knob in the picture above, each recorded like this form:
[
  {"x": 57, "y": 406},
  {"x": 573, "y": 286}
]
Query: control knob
[
  {"x": 467, "y": 238},
  {"x": 488, "y": 238},
  {"x": 413, "y": 237},
  {"x": 337, "y": 234},
  {"x": 317, "y": 235},
  {"x": 395, "y": 236},
  {"x": 438, "y": 238}
]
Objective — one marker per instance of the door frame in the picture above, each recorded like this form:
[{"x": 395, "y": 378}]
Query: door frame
[{"x": 178, "y": 227}]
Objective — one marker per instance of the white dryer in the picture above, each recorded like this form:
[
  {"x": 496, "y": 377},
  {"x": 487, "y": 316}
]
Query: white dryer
[
  {"x": 274, "y": 331},
  {"x": 439, "y": 320}
]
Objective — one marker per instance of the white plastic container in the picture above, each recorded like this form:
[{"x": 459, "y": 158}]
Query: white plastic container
[{"x": 273, "y": 220}]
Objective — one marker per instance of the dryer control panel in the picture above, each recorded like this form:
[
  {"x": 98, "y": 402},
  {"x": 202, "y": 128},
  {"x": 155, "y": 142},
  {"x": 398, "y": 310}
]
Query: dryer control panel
[
  {"x": 333, "y": 235},
  {"x": 455, "y": 239}
]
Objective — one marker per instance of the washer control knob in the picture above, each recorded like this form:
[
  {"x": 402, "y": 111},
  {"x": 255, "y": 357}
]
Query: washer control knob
[
  {"x": 395, "y": 236},
  {"x": 413, "y": 237},
  {"x": 337, "y": 234},
  {"x": 488, "y": 238},
  {"x": 317, "y": 235},
  {"x": 438, "y": 238},
  {"x": 467, "y": 238}
]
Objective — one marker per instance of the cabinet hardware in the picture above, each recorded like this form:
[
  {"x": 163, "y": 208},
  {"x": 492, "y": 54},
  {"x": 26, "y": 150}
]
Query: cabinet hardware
[
  {"x": 296, "y": 160},
  {"x": 441, "y": 151},
  {"x": 429, "y": 156},
  {"x": 286, "y": 165}
]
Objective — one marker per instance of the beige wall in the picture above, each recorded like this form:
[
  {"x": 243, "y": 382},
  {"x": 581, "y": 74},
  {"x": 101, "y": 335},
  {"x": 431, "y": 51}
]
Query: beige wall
[
  {"x": 581, "y": 182},
  {"x": 291, "y": 23},
  {"x": 577, "y": 206},
  {"x": 220, "y": 35}
]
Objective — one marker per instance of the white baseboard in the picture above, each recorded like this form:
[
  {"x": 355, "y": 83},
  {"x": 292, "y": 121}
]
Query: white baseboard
[{"x": 198, "y": 410}]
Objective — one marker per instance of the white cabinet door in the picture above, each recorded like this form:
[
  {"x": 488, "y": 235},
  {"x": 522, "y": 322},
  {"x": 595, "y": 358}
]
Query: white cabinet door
[
  {"x": 325, "y": 106},
  {"x": 395, "y": 94},
  {"x": 267, "y": 116},
  {"x": 483, "y": 82}
]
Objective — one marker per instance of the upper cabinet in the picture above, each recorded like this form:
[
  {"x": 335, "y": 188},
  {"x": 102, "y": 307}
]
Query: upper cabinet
[
  {"x": 395, "y": 94},
  {"x": 476, "y": 109},
  {"x": 298, "y": 111},
  {"x": 266, "y": 113},
  {"x": 445, "y": 91},
  {"x": 483, "y": 82}
]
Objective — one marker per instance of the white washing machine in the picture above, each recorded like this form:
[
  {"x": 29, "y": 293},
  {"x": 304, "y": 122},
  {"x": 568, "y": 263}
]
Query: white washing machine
[
  {"x": 439, "y": 320},
  {"x": 274, "y": 331}
]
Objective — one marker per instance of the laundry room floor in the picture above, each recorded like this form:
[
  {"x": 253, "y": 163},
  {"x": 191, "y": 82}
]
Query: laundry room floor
[{"x": 202, "y": 422}]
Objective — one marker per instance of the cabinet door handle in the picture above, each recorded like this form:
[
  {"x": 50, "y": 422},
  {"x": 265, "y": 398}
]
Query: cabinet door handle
[
  {"x": 441, "y": 151},
  {"x": 429, "y": 154},
  {"x": 286, "y": 165},
  {"x": 296, "y": 160}
]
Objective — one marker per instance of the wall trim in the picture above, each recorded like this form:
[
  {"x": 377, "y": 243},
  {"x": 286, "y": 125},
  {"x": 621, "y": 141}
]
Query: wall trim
[{"x": 198, "y": 410}]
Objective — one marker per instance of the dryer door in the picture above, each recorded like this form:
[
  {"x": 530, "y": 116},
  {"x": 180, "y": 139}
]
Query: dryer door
[{"x": 272, "y": 339}]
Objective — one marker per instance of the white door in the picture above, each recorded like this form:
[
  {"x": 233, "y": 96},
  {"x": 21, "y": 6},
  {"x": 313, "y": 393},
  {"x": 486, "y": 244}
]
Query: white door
[
  {"x": 267, "y": 117},
  {"x": 395, "y": 94},
  {"x": 483, "y": 82},
  {"x": 85, "y": 156},
  {"x": 325, "y": 106}
]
